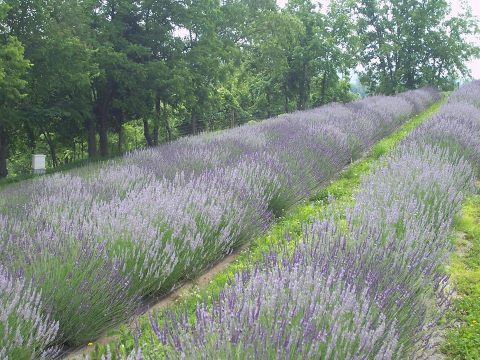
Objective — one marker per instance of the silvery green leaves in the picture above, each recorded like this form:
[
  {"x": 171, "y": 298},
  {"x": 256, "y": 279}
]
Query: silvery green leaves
[
  {"x": 362, "y": 284},
  {"x": 100, "y": 241},
  {"x": 347, "y": 292},
  {"x": 25, "y": 330}
]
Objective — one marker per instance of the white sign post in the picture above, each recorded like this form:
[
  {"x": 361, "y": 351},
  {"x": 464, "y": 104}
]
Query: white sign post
[{"x": 38, "y": 164}]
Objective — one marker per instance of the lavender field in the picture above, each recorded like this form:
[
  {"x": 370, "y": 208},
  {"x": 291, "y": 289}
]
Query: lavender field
[
  {"x": 81, "y": 251},
  {"x": 367, "y": 283}
]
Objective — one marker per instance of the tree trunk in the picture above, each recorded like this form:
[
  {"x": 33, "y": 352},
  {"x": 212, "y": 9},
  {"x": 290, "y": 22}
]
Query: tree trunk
[
  {"x": 393, "y": 83},
  {"x": 74, "y": 150},
  {"x": 285, "y": 94},
  {"x": 146, "y": 132},
  {"x": 323, "y": 98},
  {"x": 156, "y": 132},
  {"x": 102, "y": 103},
  {"x": 3, "y": 152},
  {"x": 102, "y": 132},
  {"x": 302, "y": 91},
  {"x": 269, "y": 102},
  {"x": 232, "y": 119},
  {"x": 121, "y": 137},
  {"x": 51, "y": 147},
  {"x": 91, "y": 138},
  {"x": 194, "y": 122},
  {"x": 410, "y": 77},
  {"x": 167, "y": 124},
  {"x": 301, "y": 96},
  {"x": 156, "y": 125},
  {"x": 101, "y": 113},
  {"x": 31, "y": 139}
]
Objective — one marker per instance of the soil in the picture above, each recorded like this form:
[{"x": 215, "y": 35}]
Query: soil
[{"x": 159, "y": 304}]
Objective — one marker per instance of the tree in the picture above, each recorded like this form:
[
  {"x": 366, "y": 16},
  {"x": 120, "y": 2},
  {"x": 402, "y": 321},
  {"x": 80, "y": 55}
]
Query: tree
[
  {"x": 165, "y": 68},
  {"x": 104, "y": 70},
  {"x": 13, "y": 67},
  {"x": 54, "y": 34},
  {"x": 298, "y": 54},
  {"x": 410, "y": 43},
  {"x": 337, "y": 52},
  {"x": 205, "y": 54},
  {"x": 59, "y": 91}
]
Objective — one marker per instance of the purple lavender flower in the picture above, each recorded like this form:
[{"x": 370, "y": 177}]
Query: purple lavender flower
[
  {"x": 100, "y": 240},
  {"x": 26, "y": 331},
  {"x": 360, "y": 284}
]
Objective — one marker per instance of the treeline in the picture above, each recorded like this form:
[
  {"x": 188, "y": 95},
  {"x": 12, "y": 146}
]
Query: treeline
[{"x": 91, "y": 78}]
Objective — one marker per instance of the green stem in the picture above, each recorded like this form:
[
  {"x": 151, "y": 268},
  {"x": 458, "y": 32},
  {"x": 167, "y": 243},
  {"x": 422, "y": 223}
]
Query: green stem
[{"x": 342, "y": 190}]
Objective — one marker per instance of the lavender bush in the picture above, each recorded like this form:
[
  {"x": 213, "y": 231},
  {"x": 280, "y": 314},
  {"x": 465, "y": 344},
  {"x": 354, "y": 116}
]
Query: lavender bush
[
  {"x": 362, "y": 291},
  {"x": 98, "y": 241},
  {"x": 25, "y": 331},
  {"x": 364, "y": 284}
]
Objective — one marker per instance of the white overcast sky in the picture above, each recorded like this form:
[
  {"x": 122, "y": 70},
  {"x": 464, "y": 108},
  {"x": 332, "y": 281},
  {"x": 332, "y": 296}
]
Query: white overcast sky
[{"x": 474, "y": 65}]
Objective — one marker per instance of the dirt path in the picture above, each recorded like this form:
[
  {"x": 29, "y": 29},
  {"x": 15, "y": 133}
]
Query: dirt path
[{"x": 160, "y": 304}]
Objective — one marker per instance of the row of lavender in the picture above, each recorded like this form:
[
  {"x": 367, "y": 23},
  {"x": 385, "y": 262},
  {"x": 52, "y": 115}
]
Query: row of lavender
[
  {"x": 81, "y": 251},
  {"x": 368, "y": 287}
]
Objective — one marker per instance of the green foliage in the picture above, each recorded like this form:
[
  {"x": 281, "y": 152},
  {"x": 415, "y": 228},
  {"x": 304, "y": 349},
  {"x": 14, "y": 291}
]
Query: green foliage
[
  {"x": 407, "y": 44},
  {"x": 168, "y": 68},
  {"x": 13, "y": 67},
  {"x": 83, "y": 74}
]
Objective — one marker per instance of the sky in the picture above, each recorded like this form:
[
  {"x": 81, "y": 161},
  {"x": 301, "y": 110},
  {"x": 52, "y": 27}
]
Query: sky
[{"x": 474, "y": 65}]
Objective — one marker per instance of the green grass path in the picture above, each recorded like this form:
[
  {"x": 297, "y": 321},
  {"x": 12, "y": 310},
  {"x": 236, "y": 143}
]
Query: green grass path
[
  {"x": 342, "y": 189},
  {"x": 462, "y": 340}
]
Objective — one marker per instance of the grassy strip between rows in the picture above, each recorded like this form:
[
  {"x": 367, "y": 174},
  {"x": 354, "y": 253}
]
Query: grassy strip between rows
[
  {"x": 342, "y": 190},
  {"x": 462, "y": 341}
]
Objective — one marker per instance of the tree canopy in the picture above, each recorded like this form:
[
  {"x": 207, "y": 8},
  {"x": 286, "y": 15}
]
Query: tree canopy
[
  {"x": 410, "y": 43},
  {"x": 94, "y": 78}
]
